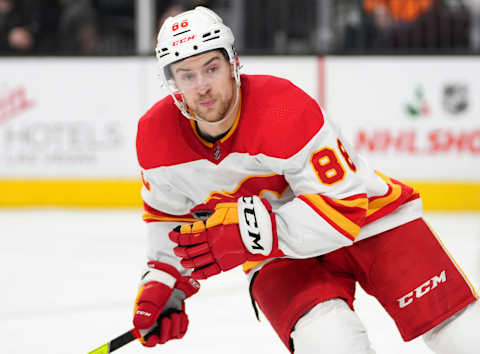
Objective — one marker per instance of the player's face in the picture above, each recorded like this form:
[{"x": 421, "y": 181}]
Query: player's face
[{"x": 206, "y": 83}]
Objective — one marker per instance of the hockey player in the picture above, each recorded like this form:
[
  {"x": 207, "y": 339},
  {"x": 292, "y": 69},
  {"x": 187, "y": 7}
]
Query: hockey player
[{"x": 248, "y": 170}]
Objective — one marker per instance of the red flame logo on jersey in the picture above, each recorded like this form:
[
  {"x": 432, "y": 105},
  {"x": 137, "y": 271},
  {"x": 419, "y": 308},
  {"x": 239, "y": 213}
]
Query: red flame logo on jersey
[{"x": 253, "y": 185}]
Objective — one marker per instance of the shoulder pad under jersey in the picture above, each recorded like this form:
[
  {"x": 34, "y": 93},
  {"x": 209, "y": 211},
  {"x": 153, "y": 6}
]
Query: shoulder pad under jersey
[
  {"x": 158, "y": 131},
  {"x": 279, "y": 118}
]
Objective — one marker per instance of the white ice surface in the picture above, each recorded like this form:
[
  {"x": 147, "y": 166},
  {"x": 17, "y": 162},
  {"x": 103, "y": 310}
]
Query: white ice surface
[{"x": 68, "y": 279}]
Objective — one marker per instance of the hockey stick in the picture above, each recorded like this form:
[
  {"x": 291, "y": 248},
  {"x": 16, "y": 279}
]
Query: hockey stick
[
  {"x": 130, "y": 336},
  {"x": 120, "y": 341}
]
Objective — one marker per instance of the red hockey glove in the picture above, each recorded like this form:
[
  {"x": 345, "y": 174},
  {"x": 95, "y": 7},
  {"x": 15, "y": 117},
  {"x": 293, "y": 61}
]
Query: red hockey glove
[
  {"x": 235, "y": 233},
  {"x": 160, "y": 307}
]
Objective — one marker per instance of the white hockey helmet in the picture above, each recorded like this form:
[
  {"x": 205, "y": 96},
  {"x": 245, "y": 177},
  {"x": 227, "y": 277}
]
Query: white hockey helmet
[{"x": 187, "y": 34}]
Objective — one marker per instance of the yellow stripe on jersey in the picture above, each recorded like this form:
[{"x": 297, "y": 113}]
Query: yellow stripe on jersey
[
  {"x": 333, "y": 215},
  {"x": 354, "y": 203},
  {"x": 378, "y": 203},
  {"x": 153, "y": 217}
]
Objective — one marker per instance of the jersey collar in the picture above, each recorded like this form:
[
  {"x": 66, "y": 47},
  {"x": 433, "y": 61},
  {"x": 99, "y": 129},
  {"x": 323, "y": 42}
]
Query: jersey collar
[{"x": 230, "y": 132}]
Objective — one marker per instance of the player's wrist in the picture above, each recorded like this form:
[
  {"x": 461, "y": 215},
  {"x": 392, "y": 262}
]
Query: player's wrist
[
  {"x": 160, "y": 272},
  {"x": 187, "y": 285},
  {"x": 168, "y": 275}
]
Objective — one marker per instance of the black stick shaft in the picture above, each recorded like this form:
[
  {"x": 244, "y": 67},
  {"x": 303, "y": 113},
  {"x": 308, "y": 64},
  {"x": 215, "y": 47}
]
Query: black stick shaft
[
  {"x": 118, "y": 342},
  {"x": 121, "y": 340}
]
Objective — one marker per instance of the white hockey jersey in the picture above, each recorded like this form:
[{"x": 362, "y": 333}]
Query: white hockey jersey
[{"x": 282, "y": 148}]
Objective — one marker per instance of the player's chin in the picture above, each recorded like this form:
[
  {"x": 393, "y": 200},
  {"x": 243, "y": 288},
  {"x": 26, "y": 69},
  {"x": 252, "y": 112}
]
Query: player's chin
[{"x": 210, "y": 115}]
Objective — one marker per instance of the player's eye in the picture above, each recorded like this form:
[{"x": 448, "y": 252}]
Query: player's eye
[
  {"x": 188, "y": 77},
  {"x": 212, "y": 69}
]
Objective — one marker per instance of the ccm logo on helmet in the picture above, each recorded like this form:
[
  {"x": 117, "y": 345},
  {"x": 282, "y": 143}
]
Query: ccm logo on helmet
[
  {"x": 422, "y": 290},
  {"x": 255, "y": 225},
  {"x": 183, "y": 40}
]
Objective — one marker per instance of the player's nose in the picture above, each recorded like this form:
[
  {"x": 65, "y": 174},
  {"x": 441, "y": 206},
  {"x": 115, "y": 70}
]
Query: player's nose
[{"x": 204, "y": 88}]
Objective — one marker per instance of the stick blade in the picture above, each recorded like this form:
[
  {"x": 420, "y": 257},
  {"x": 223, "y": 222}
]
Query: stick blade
[
  {"x": 104, "y": 349},
  {"x": 118, "y": 342}
]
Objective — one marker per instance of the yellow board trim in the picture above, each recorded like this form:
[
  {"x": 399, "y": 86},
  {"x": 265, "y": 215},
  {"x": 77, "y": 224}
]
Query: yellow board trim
[
  {"x": 451, "y": 196},
  {"x": 118, "y": 193},
  {"x": 71, "y": 193}
]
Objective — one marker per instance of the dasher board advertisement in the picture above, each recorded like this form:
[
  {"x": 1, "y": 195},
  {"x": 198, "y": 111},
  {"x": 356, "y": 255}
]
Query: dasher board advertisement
[
  {"x": 77, "y": 118},
  {"x": 412, "y": 117},
  {"x": 68, "y": 118}
]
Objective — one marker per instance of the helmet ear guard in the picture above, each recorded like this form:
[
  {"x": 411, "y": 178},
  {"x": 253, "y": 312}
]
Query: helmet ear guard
[{"x": 191, "y": 33}]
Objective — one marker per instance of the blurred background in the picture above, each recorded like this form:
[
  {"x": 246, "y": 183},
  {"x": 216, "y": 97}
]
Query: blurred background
[
  {"x": 400, "y": 77},
  {"x": 128, "y": 27}
]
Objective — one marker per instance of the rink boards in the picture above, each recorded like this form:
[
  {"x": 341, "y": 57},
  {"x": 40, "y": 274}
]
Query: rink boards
[{"x": 67, "y": 126}]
